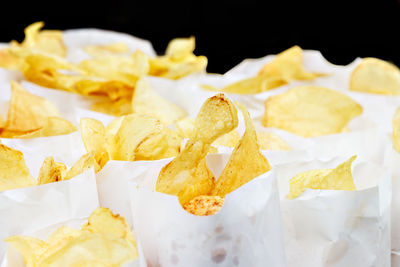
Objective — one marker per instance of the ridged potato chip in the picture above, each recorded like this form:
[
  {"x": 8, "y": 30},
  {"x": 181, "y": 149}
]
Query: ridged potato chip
[
  {"x": 396, "y": 130},
  {"x": 146, "y": 101},
  {"x": 310, "y": 111},
  {"x": 339, "y": 178},
  {"x": 245, "y": 163},
  {"x": 13, "y": 171},
  {"x": 375, "y": 76},
  {"x": 106, "y": 240},
  {"x": 187, "y": 176}
]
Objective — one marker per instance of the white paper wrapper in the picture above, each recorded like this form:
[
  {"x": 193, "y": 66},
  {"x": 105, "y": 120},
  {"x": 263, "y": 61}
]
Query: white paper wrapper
[
  {"x": 26, "y": 210},
  {"x": 337, "y": 228},
  {"x": 14, "y": 259},
  {"x": 77, "y": 40},
  {"x": 246, "y": 232}
]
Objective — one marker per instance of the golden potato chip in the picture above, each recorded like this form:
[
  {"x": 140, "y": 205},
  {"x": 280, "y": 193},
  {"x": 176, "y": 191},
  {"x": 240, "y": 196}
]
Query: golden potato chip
[
  {"x": 376, "y": 76},
  {"x": 310, "y": 111},
  {"x": 396, "y": 130},
  {"x": 241, "y": 167},
  {"x": 288, "y": 65},
  {"x": 179, "y": 60},
  {"x": 93, "y": 135},
  {"x": 13, "y": 171},
  {"x": 119, "y": 107},
  {"x": 52, "y": 126},
  {"x": 51, "y": 171},
  {"x": 27, "y": 112},
  {"x": 271, "y": 141},
  {"x": 86, "y": 162},
  {"x": 187, "y": 176},
  {"x": 204, "y": 205},
  {"x": 146, "y": 101},
  {"x": 339, "y": 178},
  {"x": 106, "y": 240},
  {"x": 229, "y": 140},
  {"x": 254, "y": 85}
]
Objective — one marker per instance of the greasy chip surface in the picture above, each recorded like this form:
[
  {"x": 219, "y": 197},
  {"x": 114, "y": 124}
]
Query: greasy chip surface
[
  {"x": 106, "y": 240},
  {"x": 310, "y": 111},
  {"x": 187, "y": 176},
  {"x": 241, "y": 167},
  {"x": 396, "y": 130},
  {"x": 146, "y": 101},
  {"x": 376, "y": 76},
  {"x": 288, "y": 65},
  {"x": 339, "y": 178},
  {"x": 204, "y": 205},
  {"x": 13, "y": 171}
]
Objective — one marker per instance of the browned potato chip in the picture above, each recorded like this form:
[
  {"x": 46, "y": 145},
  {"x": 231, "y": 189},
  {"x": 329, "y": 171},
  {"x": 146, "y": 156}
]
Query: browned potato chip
[
  {"x": 376, "y": 76},
  {"x": 187, "y": 176},
  {"x": 204, "y": 205},
  {"x": 242, "y": 168},
  {"x": 13, "y": 170},
  {"x": 51, "y": 171},
  {"x": 310, "y": 111}
]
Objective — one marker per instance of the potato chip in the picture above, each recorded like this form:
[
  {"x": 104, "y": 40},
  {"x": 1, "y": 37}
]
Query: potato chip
[
  {"x": 93, "y": 135},
  {"x": 146, "y": 101},
  {"x": 204, "y": 205},
  {"x": 376, "y": 76},
  {"x": 178, "y": 61},
  {"x": 13, "y": 171},
  {"x": 119, "y": 107},
  {"x": 271, "y": 141},
  {"x": 339, "y": 178},
  {"x": 106, "y": 240},
  {"x": 396, "y": 130},
  {"x": 86, "y": 162},
  {"x": 185, "y": 127},
  {"x": 52, "y": 126},
  {"x": 288, "y": 65},
  {"x": 51, "y": 171},
  {"x": 187, "y": 176},
  {"x": 229, "y": 140},
  {"x": 98, "y": 51},
  {"x": 310, "y": 111},
  {"x": 27, "y": 112},
  {"x": 254, "y": 85},
  {"x": 242, "y": 168}
]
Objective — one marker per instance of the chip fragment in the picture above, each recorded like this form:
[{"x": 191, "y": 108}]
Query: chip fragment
[
  {"x": 375, "y": 76},
  {"x": 310, "y": 111},
  {"x": 339, "y": 178}
]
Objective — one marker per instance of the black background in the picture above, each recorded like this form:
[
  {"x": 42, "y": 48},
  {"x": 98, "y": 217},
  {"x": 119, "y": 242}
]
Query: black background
[{"x": 228, "y": 31}]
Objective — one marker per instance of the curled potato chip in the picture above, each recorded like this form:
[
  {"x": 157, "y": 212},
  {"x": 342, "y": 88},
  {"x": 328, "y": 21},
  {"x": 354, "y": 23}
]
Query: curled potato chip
[
  {"x": 178, "y": 61},
  {"x": 271, "y": 141},
  {"x": 376, "y": 76},
  {"x": 148, "y": 102},
  {"x": 51, "y": 171},
  {"x": 93, "y": 135},
  {"x": 187, "y": 176},
  {"x": 339, "y": 178},
  {"x": 288, "y": 65},
  {"x": 242, "y": 168},
  {"x": 310, "y": 111},
  {"x": 204, "y": 205},
  {"x": 13, "y": 171},
  {"x": 106, "y": 240},
  {"x": 396, "y": 130},
  {"x": 27, "y": 112}
]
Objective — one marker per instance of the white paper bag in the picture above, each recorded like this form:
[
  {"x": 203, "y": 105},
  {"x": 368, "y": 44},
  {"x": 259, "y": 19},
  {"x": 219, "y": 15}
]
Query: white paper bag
[
  {"x": 26, "y": 210},
  {"x": 246, "y": 232},
  {"x": 334, "y": 227}
]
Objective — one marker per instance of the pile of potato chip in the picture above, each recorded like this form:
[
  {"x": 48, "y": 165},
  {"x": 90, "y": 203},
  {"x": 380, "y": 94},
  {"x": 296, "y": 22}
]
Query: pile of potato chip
[{"x": 145, "y": 126}]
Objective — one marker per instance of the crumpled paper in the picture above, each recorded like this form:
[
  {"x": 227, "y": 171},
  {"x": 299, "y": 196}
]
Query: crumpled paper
[
  {"x": 26, "y": 210},
  {"x": 246, "y": 232},
  {"x": 337, "y": 228}
]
